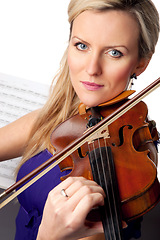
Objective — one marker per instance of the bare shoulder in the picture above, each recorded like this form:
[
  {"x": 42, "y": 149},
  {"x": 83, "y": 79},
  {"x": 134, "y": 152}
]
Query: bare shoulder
[{"x": 14, "y": 136}]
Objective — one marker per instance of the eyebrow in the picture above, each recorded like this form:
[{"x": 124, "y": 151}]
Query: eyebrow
[
  {"x": 81, "y": 40},
  {"x": 107, "y": 47}
]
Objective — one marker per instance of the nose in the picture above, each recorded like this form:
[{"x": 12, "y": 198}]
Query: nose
[{"x": 93, "y": 66}]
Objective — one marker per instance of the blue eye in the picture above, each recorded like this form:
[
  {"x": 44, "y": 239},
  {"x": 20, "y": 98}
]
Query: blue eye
[
  {"x": 115, "y": 53},
  {"x": 81, "y": 46}
]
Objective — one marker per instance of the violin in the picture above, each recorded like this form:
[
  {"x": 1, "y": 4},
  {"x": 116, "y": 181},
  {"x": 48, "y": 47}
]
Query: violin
[
  {"x": 111, "y": 157},
  {"x": 102, "y": 143}
]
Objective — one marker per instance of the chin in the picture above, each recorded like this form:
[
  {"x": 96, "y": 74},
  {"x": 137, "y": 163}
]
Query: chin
[{"x": 91, "y": 103}]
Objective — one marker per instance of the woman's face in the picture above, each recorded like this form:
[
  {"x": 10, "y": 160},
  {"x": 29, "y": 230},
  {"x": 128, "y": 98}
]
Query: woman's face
[{"x": 102, "y": 54}]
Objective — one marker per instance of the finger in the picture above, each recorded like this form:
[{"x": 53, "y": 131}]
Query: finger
[
  {"x": 85, "y": 205},
  {"x": 59, "y": 192},
  {"x": 80, "y": 183},
  {"x": 97, "y": 226},
  {"x": 82, "y": 192},
  {"x": 73, "y": 184},
  {"x": 65, "y": 184}
]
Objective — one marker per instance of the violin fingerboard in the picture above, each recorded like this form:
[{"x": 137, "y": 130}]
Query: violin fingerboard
[{"x": 103, "y": 171}]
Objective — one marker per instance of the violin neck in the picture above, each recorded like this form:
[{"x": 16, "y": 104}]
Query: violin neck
[{"x": 103, "y": 171}]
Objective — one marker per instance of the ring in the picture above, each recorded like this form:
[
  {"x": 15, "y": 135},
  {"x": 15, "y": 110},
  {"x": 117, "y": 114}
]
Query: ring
[{"x": 63, "y": 193}]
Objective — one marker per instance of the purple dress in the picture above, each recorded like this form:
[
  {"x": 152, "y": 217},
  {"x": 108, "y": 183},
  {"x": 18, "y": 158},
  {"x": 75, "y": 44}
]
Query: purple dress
[{"x": 33, "y": 199}]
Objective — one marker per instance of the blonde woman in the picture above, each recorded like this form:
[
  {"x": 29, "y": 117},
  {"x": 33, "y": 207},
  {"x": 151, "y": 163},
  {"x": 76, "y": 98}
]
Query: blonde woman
[{"x": 110, "y": 42}]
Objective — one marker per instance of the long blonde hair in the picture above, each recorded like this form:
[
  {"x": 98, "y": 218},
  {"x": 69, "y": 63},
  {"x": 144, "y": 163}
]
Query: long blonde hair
[{"x": 63, "y": 101}]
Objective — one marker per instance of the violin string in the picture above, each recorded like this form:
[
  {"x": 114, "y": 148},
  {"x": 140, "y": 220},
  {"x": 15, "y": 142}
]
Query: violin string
[
  {"x": 111, "y": 184},
  {"x": 110, "y": 226},
  {"x": 110, "y": 178},
  {"x": 110, "y": 175},
  {"x": 109, "y": 231}
]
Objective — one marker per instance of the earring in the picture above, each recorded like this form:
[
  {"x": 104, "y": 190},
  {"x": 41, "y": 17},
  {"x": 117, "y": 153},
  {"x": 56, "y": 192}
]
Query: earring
[{"x": 132, "y": 78}]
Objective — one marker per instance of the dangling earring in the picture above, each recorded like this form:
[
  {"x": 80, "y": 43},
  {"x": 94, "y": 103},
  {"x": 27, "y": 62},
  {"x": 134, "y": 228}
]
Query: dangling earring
[{"x": 132, "y": 78}]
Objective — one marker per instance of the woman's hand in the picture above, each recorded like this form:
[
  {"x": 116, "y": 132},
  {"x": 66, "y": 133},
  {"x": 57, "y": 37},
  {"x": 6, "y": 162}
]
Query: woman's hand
[{"x": 64, "y": 217}]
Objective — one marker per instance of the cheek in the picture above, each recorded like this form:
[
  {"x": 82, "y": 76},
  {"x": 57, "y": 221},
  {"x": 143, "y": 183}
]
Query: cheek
[
  {"x": 122, "y": 73},
  {"x": 73, "y": 63}
]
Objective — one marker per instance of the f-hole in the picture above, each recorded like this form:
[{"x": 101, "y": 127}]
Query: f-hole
[
  {"x": 80, "y": 153},
  {"x": 121, "y": 135}
]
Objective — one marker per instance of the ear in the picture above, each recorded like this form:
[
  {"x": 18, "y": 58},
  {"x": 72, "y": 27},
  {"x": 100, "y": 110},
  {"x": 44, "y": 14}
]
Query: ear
[{"x": 142, "y": 65}]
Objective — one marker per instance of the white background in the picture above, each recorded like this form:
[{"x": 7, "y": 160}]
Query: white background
[{"x": 34, "y": 35}]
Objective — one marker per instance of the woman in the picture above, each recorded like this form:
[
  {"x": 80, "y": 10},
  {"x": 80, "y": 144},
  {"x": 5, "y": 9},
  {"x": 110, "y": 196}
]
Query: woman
[{"x": 111, "y": 42}]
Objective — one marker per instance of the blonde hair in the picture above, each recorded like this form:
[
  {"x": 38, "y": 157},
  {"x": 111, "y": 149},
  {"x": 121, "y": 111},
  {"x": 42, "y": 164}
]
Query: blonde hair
[{"x": 63, "y": 101}]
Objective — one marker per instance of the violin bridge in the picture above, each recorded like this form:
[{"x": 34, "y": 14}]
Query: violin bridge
[{"x": 102, "y": 134}]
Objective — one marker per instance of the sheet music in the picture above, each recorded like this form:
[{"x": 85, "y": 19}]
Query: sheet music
[{"x": 17, "y": 98}]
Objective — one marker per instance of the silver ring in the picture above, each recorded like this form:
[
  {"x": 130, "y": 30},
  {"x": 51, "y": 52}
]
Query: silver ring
[{"x": 63, "y": 193}]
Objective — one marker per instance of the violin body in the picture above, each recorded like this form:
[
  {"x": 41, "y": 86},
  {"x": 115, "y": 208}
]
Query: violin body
[{"x": 136, "y": 172}]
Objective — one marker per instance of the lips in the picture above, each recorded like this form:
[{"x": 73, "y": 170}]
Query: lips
[{"x": 91, "y": 86}]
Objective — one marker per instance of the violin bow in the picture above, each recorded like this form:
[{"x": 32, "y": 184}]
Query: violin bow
[{"x": 67, "y": 151}]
